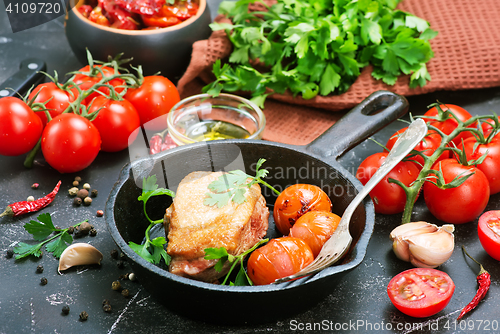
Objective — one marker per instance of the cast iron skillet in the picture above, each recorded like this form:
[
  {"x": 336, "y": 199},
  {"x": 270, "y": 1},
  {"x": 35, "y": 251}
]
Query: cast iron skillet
[{"x": 314, "y": 164}]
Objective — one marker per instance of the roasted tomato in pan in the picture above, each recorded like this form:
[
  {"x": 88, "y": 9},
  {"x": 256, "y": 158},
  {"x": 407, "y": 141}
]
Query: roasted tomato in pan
[
  {"x": 315, "y": 228},
  {"x": 279, "y": 258},
  {"x": 295, "y": 201},
  {"x": 421, "y": 292},
  {"x": 488, "y": 230}
]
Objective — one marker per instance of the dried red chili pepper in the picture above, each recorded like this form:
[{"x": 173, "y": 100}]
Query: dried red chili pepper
[
  {"x": 483, "y": 281},
  {"x": 20, "y": 208}
]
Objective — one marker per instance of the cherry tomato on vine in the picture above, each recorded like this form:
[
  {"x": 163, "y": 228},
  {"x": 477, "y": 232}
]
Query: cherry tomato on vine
[
  {"x": 488, "y": 229},
  {"x": 153, "y": 100},
  {"x": 447, "y": 126},
  {"x": 389, "y": 198},
  {"x": 427, "y": 146},
  {"x": 421, "y": 292},
  {"x": 315, "y": 228},
  {"x": 58, "y": 99},
  {"x": 117, "y": 121},
  {"x": 279, "y": 258},
  {"x": 491, "y": 164},
  {"x": 461, "y": 204},
  {"x": 88, "y": 79},
  {"x": 295, "y": 201},
  {"x": 20, "y": 127},
  {"x": 70, "y": 143}
]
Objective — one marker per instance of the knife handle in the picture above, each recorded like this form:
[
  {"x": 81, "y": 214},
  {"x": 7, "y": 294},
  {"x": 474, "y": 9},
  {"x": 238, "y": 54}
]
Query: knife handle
[{"x": 27, "y": 76}]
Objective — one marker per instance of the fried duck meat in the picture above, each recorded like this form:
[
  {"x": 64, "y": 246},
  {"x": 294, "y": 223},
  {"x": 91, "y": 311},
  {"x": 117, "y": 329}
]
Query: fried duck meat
[{"x": 192, "y": 227}]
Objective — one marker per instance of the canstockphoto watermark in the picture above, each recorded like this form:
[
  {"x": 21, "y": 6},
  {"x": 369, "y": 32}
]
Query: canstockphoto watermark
[{"x": 25, "y": 14}]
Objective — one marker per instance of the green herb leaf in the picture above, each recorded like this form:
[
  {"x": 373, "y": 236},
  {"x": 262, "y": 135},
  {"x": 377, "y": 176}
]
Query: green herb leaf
[{"x": 40, "y": 229}]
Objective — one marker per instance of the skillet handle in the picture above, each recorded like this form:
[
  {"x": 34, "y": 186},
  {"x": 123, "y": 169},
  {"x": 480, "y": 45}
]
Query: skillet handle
[{"x": 359, "y": 123}]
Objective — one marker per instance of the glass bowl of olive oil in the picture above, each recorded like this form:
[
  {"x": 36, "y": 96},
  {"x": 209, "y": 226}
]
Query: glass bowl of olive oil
[{"x": 204, "y": 117}]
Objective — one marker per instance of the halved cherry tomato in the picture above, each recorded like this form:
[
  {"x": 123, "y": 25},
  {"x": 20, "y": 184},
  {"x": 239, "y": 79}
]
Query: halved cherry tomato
[
  {"x": 295, "y": 201},
  {"x": 488, "y": 229},
  {"x": 389, "y": 198},
  {"x": 279, "y": 258},
  {"x": 58, "y": 99},
  {"x": 20, "y": 127},
  {"x": 449, "y": 124},
  {"x": 427, "y": 146},
  {"x": 315, "y": 228},
  {"x": 118, "y": 123},
  {"x": 421, "y": 292},
  {"x": 461, "y": 204}
]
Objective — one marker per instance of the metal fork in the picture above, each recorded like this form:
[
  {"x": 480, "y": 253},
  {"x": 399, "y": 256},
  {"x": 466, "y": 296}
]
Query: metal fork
[{"x": 341, "y": 240}]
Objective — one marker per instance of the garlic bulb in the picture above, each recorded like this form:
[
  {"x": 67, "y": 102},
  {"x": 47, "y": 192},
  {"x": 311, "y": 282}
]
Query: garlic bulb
[
  {"x": 424, "y": 245},
  {"x": 79, "y": 254}
]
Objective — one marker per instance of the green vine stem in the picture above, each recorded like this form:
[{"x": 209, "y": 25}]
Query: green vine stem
[{"x": 413, "y": 190}]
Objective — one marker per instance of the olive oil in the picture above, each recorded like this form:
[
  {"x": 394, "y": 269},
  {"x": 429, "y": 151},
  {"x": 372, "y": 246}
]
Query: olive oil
[{"x": 215, "y": 130}]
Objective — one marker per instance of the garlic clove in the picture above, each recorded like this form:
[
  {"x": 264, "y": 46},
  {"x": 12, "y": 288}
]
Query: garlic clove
[
  {"x": 424, "y": 245},
  {"x": 431, "y": 250},
  {"x": 79, "y": 254},
  {"x": 398, "y": 235}
]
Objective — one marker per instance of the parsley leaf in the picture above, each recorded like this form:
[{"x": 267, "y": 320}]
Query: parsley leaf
[
  {"x": 152, "y": 250},
  {"x": 233, "y": 186},
  {"x": 41, "y": 230},
  {"x": 223, "y": 256}
]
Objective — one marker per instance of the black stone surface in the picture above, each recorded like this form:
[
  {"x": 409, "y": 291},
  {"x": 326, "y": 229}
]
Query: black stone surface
[{"x": 359, "y": 304}]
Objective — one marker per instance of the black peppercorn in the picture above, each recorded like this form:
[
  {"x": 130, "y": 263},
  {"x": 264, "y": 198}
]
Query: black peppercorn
[
  {"x": 43, "y": 281},
  {"x": 114, "y": 254},
  {"x": 106, "y": 308},
  {"x": 71, "y": 230},
  {"x": 84, "y": 316},
  {"x": 65, "y": 309},
  {"x": 105, "y": 301},
  {"x": 125, "y": 293},
  {"x": 10, "y": 253},
  {"x": 121, "y": 264},
  {"x": 77, "y": 201},
  {"x": 93, "y": 193},
  {"x": 39, "y": 269},
  {"x": 93, "y": 232},
  {"x": 116, "y": 285}
]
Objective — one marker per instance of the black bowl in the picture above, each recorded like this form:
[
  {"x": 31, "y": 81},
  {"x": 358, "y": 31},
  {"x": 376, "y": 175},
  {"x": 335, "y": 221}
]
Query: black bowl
[
  {"x": 167, "y": 50},
  {"x": 313, "y": 164}
]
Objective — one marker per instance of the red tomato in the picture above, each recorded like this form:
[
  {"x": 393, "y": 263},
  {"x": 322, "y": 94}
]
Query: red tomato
[
  {"x": 295, "y": 201},
  {"x": 90, "y": 78},
  {"x": 488, "y": 229},
  {"x": 70, "y": 143},
  {"x": 118, "y": 123},
  {"x": 461, "y": 204},
  {"x": 58, "y": 99},
  {"x": 487, "y": 127},
  {"x": 421, "y": 292},
  {"x": 491, "y": 164},
  {"x": 447, "y": 126},
  {"x": 427, "y": 146},
  {"x": 315, "y": 228},
  {"x": 389, "y": 198},
  {"x": 279, "y": 258},
  {"x": 153, "y": 100},
  {"x": 20, "y": 127}
]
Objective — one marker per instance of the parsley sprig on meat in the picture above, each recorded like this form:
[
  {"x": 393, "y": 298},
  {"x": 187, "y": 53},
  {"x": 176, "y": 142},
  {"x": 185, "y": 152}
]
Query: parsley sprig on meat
[{"x": 319, "y": 47}]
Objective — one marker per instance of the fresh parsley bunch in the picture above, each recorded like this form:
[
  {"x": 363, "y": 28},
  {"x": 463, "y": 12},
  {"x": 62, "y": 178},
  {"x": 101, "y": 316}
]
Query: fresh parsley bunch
[{"x": 319, "y": 47}]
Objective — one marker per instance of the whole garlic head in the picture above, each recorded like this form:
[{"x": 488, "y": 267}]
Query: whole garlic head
[{"x": 424, "y": 245}]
